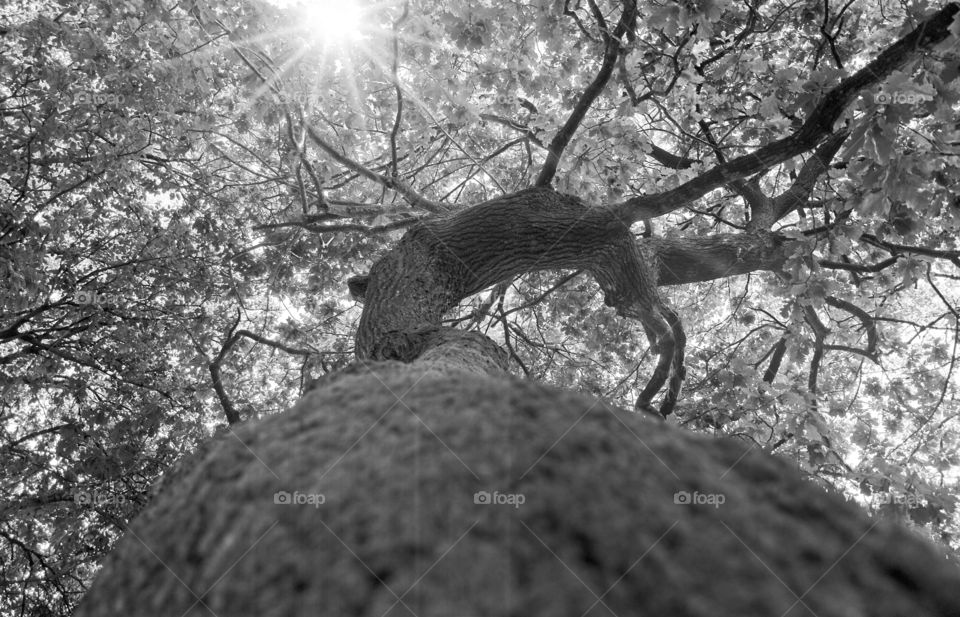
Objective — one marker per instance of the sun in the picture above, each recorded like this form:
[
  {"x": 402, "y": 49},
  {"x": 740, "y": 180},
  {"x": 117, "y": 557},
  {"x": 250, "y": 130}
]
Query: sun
[{"x": 332, "y": 22}]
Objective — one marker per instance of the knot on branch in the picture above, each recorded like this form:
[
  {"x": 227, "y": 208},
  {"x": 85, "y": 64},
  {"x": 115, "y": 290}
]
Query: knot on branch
[{"x": 358, "y": 286}]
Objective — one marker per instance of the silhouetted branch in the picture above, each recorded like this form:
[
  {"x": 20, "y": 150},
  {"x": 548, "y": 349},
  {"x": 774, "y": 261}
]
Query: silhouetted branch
[
  {"x": 590, "y": 94},
  {"x": 877, "y": 267},
  {"x": 819, "y": 124}
]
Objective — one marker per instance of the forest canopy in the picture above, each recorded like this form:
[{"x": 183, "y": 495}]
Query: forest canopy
[{"x": 194, "y": 194}]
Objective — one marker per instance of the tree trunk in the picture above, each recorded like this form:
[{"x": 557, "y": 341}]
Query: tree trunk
[
  {"x": 439, "y": 262},
  {"x": 451, "y": 489},
  {"x": 423, "y": 480}
]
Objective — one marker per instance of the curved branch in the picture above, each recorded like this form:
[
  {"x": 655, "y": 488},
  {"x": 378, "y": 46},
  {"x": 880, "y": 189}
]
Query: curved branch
[
  {"x": 233, "y": 337},
  {"x": 439, "y": 262},
  {"x": 576, "y": 18},
  {"x": 754, "y": 197},
  {"x": 869, "y": 325},
  {"x": 520, "y": 127},
  {"x": 799, "y": 192},
  {"x": 678, "y": 261},
  {"x": 396, "y": 85},
  {"x": 590, "y": 94},
  {"x": 233, "y": 417},
  {"x": 296, "y": 351},
  {"x": 820, "y": 332}
]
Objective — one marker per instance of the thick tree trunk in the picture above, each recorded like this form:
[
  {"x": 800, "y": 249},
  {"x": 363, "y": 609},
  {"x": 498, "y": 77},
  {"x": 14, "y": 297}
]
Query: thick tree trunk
[
  {"x": 439, "y": 262},
  {"x": 593, "y": 510},
  {"x": 448, "y": 489}
]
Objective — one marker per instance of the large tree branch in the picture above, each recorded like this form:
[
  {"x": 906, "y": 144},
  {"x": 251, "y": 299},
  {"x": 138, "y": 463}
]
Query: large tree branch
[
  {"x": 690, "y": 260},
  {"x": 818, "y": 125},
  {"x": 439, "y": 262},
  {"x": 767, "y": 211},
  {"x": 590, "y": 94},
  {"x": 679, "y": 261},
  {"x": 798, "y": 193}
]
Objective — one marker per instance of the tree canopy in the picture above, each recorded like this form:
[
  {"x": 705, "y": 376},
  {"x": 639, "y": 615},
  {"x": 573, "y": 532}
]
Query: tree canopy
[{"x": 188, "y": 187}]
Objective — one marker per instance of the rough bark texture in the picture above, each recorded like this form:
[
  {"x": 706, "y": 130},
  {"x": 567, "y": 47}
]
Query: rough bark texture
[
  {"x": 439, "y": 262},
  {"x": 399, "y": 451},
  {"x": 678, "y": 261}
]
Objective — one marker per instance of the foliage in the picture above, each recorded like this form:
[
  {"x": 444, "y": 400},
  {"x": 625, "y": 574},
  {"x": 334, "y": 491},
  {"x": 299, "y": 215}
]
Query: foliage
[{"x": 187, "y": 186}]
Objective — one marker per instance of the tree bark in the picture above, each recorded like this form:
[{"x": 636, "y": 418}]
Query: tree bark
[
  {"x": 439, "y": 262},
  {"x": 584, "y": 509},
  {"x": 679, "y": 261}
]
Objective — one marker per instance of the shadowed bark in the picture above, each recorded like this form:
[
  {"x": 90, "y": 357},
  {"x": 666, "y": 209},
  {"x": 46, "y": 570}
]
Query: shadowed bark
[{"x": 620, "y": 515}]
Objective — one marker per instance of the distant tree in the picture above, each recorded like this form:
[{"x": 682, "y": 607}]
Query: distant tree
[{"x": 188, "y": 187}]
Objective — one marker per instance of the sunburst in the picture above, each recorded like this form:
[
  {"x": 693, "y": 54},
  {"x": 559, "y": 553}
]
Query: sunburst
[{"x": 332, "y": 22}]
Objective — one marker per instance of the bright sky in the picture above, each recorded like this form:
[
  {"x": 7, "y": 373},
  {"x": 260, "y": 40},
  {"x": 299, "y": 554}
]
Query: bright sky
[{"x": 333, "y": 21}]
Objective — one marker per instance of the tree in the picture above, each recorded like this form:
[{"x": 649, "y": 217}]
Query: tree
[
  {"x": 184, "y": 183},
  {"x": 425, "y": 489}
]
